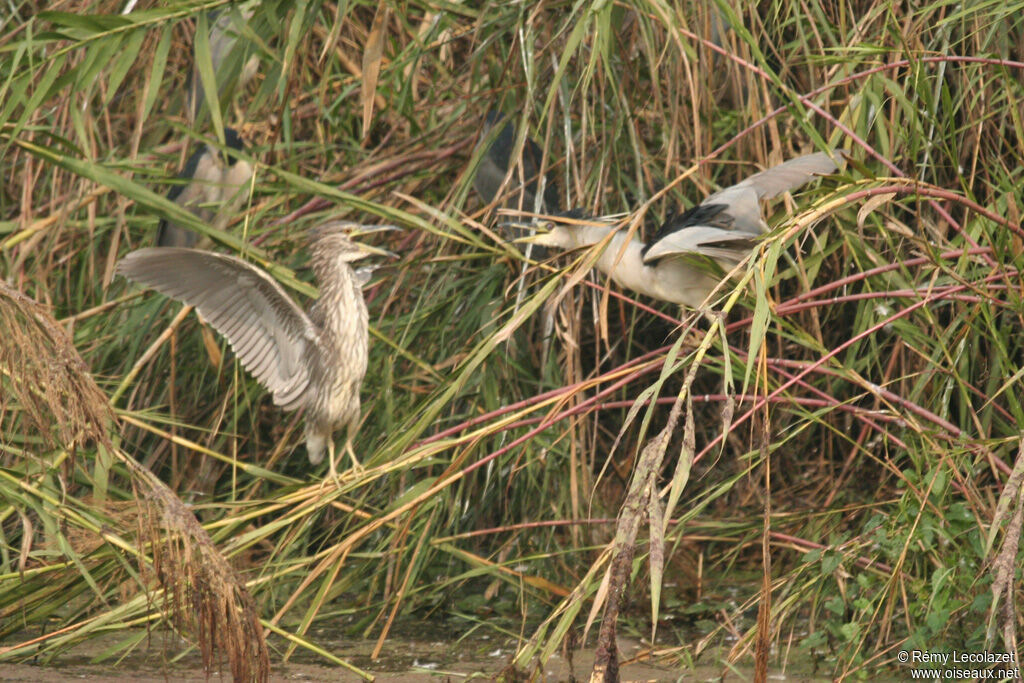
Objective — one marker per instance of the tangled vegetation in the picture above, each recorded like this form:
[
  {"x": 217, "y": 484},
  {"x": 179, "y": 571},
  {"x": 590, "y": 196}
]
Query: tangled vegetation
[{"x": 841, "y": 445}]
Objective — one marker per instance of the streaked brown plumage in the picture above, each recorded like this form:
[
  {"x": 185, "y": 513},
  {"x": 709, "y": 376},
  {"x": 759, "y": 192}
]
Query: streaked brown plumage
[
  {"x": 314, "y": 361},
  {"x": 725, "y": 227}
]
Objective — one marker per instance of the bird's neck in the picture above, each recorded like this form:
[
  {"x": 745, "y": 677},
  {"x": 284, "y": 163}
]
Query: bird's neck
[
  {"x": 588, "y": 235},
  {"x": 341, "y": 299},
  {"x": 613, "y": 256}
]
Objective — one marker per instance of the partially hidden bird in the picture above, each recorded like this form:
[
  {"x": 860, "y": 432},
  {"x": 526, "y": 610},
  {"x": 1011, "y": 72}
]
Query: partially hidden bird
[
  {"x": 233, "y": 59},
  {"x": 211, "y": 187},
  {"x": 724, "y": 227},
  {"x": 499, "y": 159},
  {"x": 314, "y": 361}
]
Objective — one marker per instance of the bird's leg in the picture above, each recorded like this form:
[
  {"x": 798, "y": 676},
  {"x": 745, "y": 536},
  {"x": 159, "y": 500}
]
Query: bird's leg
[
  {"x": 330, "y": 460},
  {"x": 713, "y": 316},
  {"x": 356, "y": 465}
]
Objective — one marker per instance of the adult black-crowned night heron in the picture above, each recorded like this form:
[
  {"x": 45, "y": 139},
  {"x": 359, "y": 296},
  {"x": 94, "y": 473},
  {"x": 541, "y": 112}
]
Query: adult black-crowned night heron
[
  {"x": 495, "y": 165},
  {"x": 212, "y": 189},
  {"x": 315, "y": 361},
  {"x": 725, "y": 227}
]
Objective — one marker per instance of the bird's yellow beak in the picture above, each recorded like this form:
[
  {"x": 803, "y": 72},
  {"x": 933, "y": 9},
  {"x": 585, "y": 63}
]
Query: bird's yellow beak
[
  {"x": 371, "y": 229},
  {"x": 540, "y": 233},
  {"x": 542, "y": 238},
  {"x": 371, "y": 250},
  {"x": 360, "y": 230},
  {"x": 355, "y": 230}
]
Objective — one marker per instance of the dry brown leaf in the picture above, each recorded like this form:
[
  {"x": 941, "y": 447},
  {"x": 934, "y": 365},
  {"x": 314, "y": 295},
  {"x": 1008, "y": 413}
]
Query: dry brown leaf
[
  {"x": 871, "y": 205},
  {"x": 372, "y": 57}
]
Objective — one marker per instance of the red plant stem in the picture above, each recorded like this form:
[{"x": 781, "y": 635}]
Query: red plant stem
[
  {"x": 882, "y": 392},
  {"x": 940, "y": 293},
  {"x": 540, "y": 398},
  {"x": 864, "y": 562},
  {"x": 856, "y": 277},
  {"x": 548, "y": 421},
  {"x": 888, "y": 395},
  {"x": 708, "y": 398},
  {"x": 860, "y": 415},
  {"x": 790, "y": 305},
  {"x": 931, "y": 191},
  {"x": 818, "y": 363},
  {"x": 899, "y": 294},
  {"x": 807, "y": 101},
  {"x": 804, "y": 367}
]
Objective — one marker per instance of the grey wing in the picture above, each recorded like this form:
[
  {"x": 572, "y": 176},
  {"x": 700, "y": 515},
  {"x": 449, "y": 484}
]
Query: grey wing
[
  {"x": 788, "y": 175},
  {"x": 271, "y": 335},
  {"x": 727, "y": 245},
  {"x": 742, "y": 199}
]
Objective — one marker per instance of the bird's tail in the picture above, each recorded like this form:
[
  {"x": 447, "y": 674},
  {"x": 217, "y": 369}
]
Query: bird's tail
[{"x": 316, "y": 446}]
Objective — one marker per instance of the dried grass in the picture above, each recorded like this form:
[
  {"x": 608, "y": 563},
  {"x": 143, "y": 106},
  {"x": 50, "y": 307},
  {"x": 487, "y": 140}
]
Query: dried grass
[{"x": 54, "y": 396}]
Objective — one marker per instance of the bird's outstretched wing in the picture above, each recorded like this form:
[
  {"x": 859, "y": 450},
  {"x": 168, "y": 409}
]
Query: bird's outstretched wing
[
  {"x": 735, "y": 209},
  {"x": 271, "y": 335},
  {"x": 787, "y": 176}
]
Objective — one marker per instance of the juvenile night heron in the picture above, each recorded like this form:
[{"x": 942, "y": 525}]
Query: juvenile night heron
[
  {"x": 725, "y": 227},
  {"x": 212, "y": 190},
  {"x": 315, "y": 361}
]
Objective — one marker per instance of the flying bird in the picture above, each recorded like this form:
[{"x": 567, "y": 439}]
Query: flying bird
[
  {"x": 725, "y": 227},
  {"x": 211, "y": 188},
  {"x": 314, "y": 361}
]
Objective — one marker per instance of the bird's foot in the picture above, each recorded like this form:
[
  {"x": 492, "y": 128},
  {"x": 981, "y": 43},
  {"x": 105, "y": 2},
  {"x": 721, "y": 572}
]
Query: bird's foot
[
  {"x": 357, "y": 467},
  {"x": 712, "y": 315},
  {"x": 356, "y": 470},
  {"x": 333, "y": 471}
]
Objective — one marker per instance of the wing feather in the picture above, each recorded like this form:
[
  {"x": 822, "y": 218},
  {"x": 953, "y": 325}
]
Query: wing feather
[
  {"x": 742, "y": 201},
  {"x": 727, "y": 245},
  {"x": 269, "y": 333},
  {"x": 725, "y": 221},
  {"x": 786, "y": 176}
]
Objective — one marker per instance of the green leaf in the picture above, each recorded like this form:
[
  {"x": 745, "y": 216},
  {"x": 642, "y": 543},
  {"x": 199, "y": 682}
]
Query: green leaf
[
  {"x": 120, "y": 68},
  {"x": 156, "y": 74}
]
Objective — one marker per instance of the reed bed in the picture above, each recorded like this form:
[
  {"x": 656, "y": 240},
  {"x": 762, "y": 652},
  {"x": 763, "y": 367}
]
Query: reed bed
[{"x": 839, "y": 442}]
